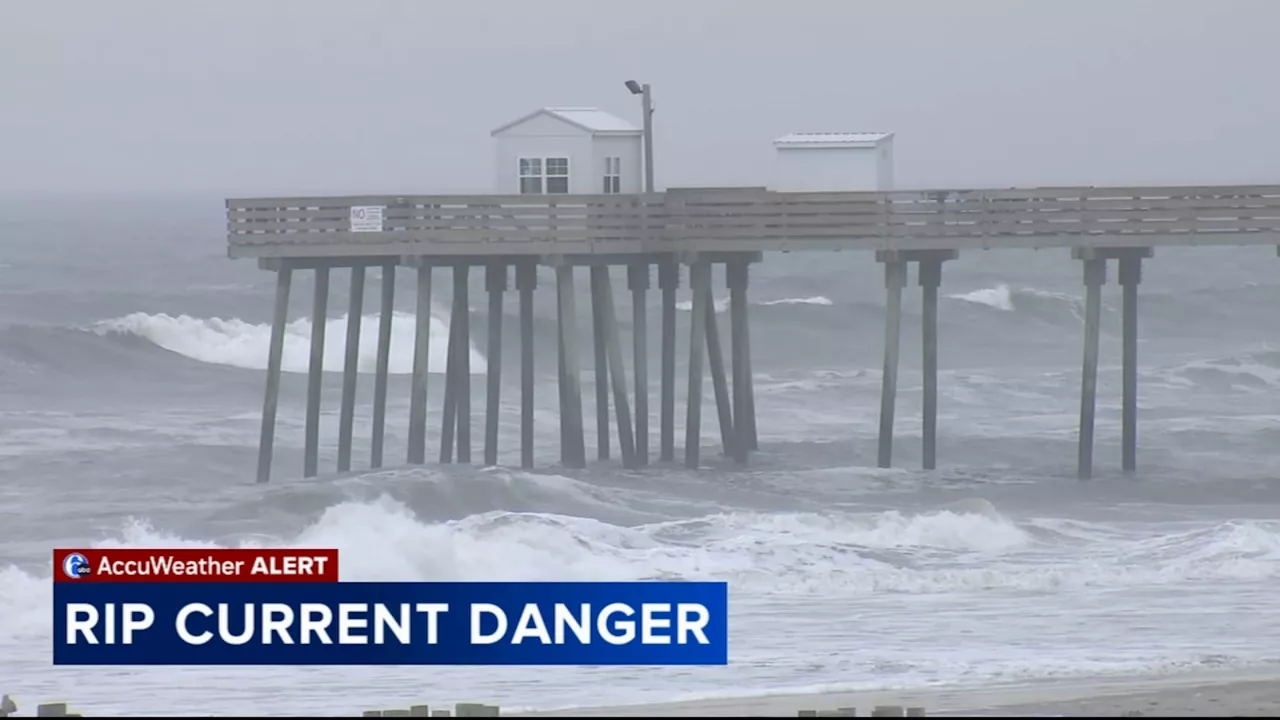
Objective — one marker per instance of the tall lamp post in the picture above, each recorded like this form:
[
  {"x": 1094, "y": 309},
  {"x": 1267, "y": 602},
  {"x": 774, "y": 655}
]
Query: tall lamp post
[
  {"x": 668, "y": 278},
  {"x": 647, "y": 103}
]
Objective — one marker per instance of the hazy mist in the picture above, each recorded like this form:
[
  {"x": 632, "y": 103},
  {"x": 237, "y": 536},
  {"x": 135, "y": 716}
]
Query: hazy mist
[{"x": 312, "y": 96}]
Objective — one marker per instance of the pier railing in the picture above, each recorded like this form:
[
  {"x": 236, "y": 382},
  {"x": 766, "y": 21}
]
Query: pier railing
[{"x": 752, "y": 219}]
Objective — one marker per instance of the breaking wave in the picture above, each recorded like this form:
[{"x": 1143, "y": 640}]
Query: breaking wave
[
  {"x": 242, "y": 344},
  {"x": 1002, "y": 297},
  {"x": 722, "y": 304},
  {"x": 945, "y": 551}
]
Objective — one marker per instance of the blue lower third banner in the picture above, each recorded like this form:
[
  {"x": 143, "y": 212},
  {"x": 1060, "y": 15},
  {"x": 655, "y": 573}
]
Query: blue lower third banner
[{"x": 641, "y": 623}]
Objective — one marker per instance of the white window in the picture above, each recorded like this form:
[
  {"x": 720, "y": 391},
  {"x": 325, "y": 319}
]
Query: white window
[
  {"x": 530, "y": 176},
  {"x": 544, "y": 175},
  {"x": 612, "y": 175},
  {"x": 557, "y": 175}
]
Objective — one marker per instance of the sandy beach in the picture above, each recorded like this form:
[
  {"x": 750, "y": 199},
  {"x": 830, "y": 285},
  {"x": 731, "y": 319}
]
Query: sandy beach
[{"x": 1200, "y": 695}]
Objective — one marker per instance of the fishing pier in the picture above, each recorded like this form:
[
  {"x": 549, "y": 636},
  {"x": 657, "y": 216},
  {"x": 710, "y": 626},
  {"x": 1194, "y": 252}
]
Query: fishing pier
[{"x": 681, "y": 233}]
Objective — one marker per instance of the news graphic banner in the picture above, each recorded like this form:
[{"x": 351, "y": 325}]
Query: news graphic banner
[
  {"x": 193, "y": 565},
  {"x": 285, "y": 607}
]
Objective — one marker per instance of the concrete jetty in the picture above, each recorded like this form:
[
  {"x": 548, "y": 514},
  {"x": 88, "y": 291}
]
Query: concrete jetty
[{"x": 691, "y": 229}]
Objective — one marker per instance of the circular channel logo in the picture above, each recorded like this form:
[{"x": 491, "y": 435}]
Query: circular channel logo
[{"x": 75, "y": 566}]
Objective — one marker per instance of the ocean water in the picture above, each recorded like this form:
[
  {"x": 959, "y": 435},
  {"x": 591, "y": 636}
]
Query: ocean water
[{"x": 131, "y": 371}]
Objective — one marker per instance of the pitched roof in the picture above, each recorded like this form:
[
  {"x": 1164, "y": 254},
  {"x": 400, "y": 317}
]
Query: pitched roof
[
  {"x": 590, "y": 119},
  {"x": 862, "y": 139}
]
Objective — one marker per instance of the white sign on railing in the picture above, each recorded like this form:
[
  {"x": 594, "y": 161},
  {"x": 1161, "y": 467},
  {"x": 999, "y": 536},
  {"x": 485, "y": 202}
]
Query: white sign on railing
[{"x": 367, "y": 218}]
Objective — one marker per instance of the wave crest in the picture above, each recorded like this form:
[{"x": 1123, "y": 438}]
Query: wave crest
[{"x": 241, "y": 344}]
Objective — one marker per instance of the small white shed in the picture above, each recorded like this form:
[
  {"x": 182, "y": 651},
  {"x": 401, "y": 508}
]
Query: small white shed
[
  {"x": 817, "y": 162},
  {"x": 557, "y": 150}
]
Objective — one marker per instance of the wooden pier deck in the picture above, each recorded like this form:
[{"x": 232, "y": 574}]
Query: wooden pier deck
[{"x": 693, "y": 227}]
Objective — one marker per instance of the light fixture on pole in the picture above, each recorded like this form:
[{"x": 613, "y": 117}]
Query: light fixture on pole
[{"x": 647, "y": 104}]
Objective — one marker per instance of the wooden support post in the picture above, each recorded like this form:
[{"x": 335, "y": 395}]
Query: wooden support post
[
  {"x": 736, "y": 280},
  {"x": 638, "y": 283},
  {"x": 382, "y": 366},
  {"x": 719, "y": 383},
  {"x": 1095, "y": 276},
  {"x": 449, "y": 409},
  {"x": 421, "y": 368},
  {"x": 462, "y": 297},
  {"x": 275, "y": 358},
  {"x": 668, "y": 281},
  {"x": 526, "y": 281},
  {"x": 315, "y": 374},
  {"x": 572, "y": 440},
  {"x": 562, "y": 373},
  {"x": 930, "y": 279},
  {"x": 495, "y": 280},
  {"x": 752, "y": 436},
  {"x": 895, "y": 278},
  {"x": 350, "y": 369},
  {"x": 1130, "y": 275},
  {"x": 617, "y": 371},
  {"x": 601, "y": 362},
  {"x": 700, "y": 283}
]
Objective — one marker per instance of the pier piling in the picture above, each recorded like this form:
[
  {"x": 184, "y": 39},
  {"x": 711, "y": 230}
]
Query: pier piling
[
  {"x": 572, "y": 441},
  {"x": 350, "y": 368},
  {"x": 736, "y": 272},
  {"x": 526, "y": 281},
  {"x": 421, "y": 366},
  {"x": 668, "y": 282},
  {"x": 275, "y": 357},
  {"x": 715, "y": 361},
  {"x": 449, "y": 408},
  {"x": 930, "y": 276},
  {"x": 930, "y": 279},
  {"x": 753, "y": 440},
  {"x": 462, "y": 299},
  {"x": 1095, "y": 276},
  {"x": 617, "y": 372},
  {"x": 1130, "y": 276},
  {"x": 895, "y": 278},
  {"x": 601, "y": 362},
  {"x": 700, "y": 284},
  {"x": 638, "y": 283},
  {"x": 495, "y": 280},
  {"x": 382, "y": 366},
  {"x": 315, "y": 373}
]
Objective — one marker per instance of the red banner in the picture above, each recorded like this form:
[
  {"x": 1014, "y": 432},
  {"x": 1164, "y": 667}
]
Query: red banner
[{"x": 188, "y": 565}]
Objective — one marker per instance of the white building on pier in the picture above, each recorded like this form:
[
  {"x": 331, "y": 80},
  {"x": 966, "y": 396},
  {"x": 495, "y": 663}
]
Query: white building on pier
[
  {"x": 829, "y": 162},
  {"x": 568, "y": 150}
]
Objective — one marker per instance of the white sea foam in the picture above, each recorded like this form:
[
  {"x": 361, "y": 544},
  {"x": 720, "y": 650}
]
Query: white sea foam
[
  {"x": 814, "y": 300},
  {"x": 722, "y": 304},
  {"x": 998, "y": 297},
  {"x": 934, "y": 552},
  {"x": 241, "y": 344},
  {"x": 1002, "y": 297}
]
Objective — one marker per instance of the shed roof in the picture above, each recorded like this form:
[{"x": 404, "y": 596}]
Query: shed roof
[
  {"x": 860, "y": 139},
  {"x": 593, "y": 120}
]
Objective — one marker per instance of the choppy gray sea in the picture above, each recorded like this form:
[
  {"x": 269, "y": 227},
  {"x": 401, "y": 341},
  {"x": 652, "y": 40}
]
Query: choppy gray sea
[{"x": 131, "y": 374}]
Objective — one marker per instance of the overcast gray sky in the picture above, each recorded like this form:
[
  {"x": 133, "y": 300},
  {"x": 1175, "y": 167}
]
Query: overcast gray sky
[{"x": 318, "y": 96}]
